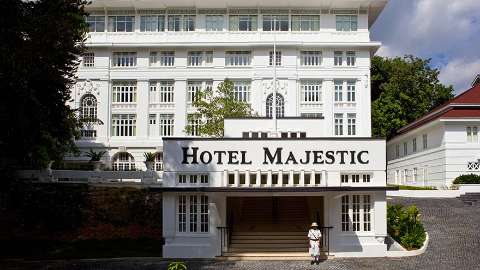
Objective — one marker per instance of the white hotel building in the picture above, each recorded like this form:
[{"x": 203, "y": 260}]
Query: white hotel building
[{"x": 147, "y": 59}]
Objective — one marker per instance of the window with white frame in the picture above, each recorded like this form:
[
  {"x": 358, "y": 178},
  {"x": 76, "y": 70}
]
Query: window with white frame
[
  {"x": 124, "y": 125},
  {"x": 278, "y": 58},
  {"x": 194, "y": 87},
  {"x": 415, "y": 175},
  {"x": 121, "y": 23},
  {"x": 124, "y": 92},
  {"x": 214, "y": 22},
  {"x": 124, "y": 59},
  {"x": 350, "y": 58},
  {"x": 152, "y": 23},
  {"x": 194, "y": 121},
  {"x": 310, "y": 58},
  {"x": 338, "y": 58},
  {"x": 275, "y": 22},
  {"x": 366, "y": 178},
  {"x": 162, "y": 59},
  {"x": 351, "y": 124},
  {"x": 177, "y": 23},
  {"x": 96, "y": 23},
  {"x": 242, "y": 23},
  {"x": 241, "y": 90},
  {"x": 472, "y": 134},
  {"x": 123, "y": 161},
  {"x": 338, "y": 124},
  {"x": 199, "y": 58},
  {"x": 152, "y": 124},
  {"x": 414, "y": 145},
  {"x": 346, "y": 22},
  {"x": 310, "y": 92},
  {"x": 162, "y": 91},
  {"x": 424, "y": 141},
  {"x": 405, "y": 148},
  {"x": 344, "y": 178},
  {"x": 351, "y": 91},
  {"x": 158, "y": 165},
  {"x": 357, "y": 211},
  {"x": 338, "y": 87},
  {"x": 238, "y": 58},
  {"x": 305, "y": 23},
  {"x": 166, "y": 124},
  {"x": 397, "y": 151},
  {"x": 193, "y": 210},
  {"x": 88, "y": 108},
  {"x": 88, "y": 59}
]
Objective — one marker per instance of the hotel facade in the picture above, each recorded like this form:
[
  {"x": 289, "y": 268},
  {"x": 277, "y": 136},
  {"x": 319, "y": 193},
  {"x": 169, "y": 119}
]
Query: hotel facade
[{"x": 259, "y": 187}]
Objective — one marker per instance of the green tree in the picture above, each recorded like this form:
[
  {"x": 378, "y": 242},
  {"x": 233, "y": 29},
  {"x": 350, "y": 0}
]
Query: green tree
[
  {"x": 214, "y": 106},
  {"x": 403, "y": 89},
  {"x": 40, "y": 48}
]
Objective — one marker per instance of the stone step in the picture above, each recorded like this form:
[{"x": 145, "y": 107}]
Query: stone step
[
  {"x": 246, "y": 233},
  {"x": 275, "y": 248},
  {"x": 285, "y": 245},
  {"x": 273, "y": 241},
  {"x": 302, "y": 237}
]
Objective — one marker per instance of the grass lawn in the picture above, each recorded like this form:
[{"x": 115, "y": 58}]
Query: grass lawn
[
  {"x": 80, "y": 249},
  {"x": 403, "y": 187}
]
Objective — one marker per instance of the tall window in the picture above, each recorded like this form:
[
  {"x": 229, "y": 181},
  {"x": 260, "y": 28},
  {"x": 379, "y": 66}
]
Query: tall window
[
  {"x": 214, "y": 22},
  {"x": 199, "y": 58},
  {"x": 345, "y": 215},
  {"x": 414, "y": 144},
  {"x": 405, "y": 149},
  {"x": 162, "y": 59},
  {"x": 242, "y": 23},
  {"x": 166, "y": 124},
  {"x": 338, "y": 124},
  {"x": 124, "y": 59},
  {"x": 472, "y": 134},
  {"x": 88, "y": 59},
  {"x": 338, "y": 58},
  {"x": 278, "y": 58},
  {"x": 397, "y": 151},
  {"x": 194, "y": 87},
  {"x": 152, "y": 23},
  {"x": 194, "y": 121},
  {"x": 88, "y": 108},
  {"x": 96, "y": 23},
  {"x": 305, "y": 23},
  {"x": 275, "y": 22},
  {"x": 367, "y": 215},
  {"x": 351, "y": 91},
  {"x": 311, "y": 58},
  {"x": 124, "y": 125},
  {"x": 346, "y": 22},
  {"x": 311, "y": 92},
  {"x": 280, "y": 103},
  {"x": 351, "y": 58},
  {"x": 338, "y": 85},
  {"x": 124, "y": 92},
  {"x": 351, "y": 124},
  {"x": 123, "y": 161},
  {"x": 158, "y": 165},
  {"x": 162, "y": 91},
  {"x": 121, "y": 23},
  {"x": 241, "y": 90},
  {"x": 178, "y": 23},
  {"x": 424, "y": 141},
  {"x": 193, "y": 210},
  {"x": 238, "y": 58},
  {"x": 355, "y": 213}
]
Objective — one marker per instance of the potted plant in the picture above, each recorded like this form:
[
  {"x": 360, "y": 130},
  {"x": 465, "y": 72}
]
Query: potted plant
[
  {"x": 149, "y": 160},
  {"x": 95, "y": 159}
]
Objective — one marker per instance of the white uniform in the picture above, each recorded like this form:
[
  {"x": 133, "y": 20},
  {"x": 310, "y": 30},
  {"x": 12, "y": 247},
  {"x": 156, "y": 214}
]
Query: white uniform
[{"x": 314, "y": 245}]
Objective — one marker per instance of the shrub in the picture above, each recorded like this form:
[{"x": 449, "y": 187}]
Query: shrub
[
  {"x": 405, "y": 227},
  {"x": 467, "y": 179}
]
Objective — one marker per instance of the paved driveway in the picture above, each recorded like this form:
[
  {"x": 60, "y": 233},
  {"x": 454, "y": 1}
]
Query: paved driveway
[{"x": 454, "y": 230}]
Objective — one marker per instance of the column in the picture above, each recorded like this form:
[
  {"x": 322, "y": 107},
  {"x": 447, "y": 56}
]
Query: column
[
  {"x": 247, "y": 178},
  {"x": 302, "y": 178},
  {"x": 269, "y": 178},
  {"x": 290, "y": 179},
  {"x": 259, "y": 175},
  {"x": 237, "y": 179},
  {"x": 280, "y": 178},
  {"x": 142, "y": 109}
]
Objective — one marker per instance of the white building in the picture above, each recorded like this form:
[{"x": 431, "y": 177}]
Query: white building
[
  {"x": 438, "y": 147},
  {"x": 147, "y": 59}
]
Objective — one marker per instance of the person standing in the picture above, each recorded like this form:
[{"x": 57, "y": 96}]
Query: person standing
[{"x": 314, "y": 236}]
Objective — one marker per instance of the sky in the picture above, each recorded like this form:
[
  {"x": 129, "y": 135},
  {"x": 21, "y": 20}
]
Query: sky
[{"x": 447, "y": 31}]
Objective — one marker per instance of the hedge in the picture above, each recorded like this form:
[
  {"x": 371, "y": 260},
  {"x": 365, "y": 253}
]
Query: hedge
[{"x": 467, "y": 179}]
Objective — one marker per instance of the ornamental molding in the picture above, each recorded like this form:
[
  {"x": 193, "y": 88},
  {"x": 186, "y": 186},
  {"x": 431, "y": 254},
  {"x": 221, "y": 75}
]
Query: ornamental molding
[
  {"x": 269, "y": 87},
  {"x": 87, "y": 87}
]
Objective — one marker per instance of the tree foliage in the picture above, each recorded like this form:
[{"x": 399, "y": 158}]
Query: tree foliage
[
  {"x": 40, "y": 48},
  {"x": 403, "y": 89},
  {"x": 215, "y": 105}
]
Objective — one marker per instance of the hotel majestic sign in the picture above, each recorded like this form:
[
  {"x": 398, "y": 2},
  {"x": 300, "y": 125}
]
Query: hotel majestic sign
[{"x": 273, "y": 155}]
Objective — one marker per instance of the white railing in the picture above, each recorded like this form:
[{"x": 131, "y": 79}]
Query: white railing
[{"x": 77, "y": 176}]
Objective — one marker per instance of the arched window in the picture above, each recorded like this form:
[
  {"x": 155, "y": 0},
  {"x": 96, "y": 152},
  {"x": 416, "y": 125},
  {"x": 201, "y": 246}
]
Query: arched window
[
  {"x": 88, "y": 108},
  {"x": 159, "y": 161},
  {"x": 280, "y": 106},
  {"x": 123, "y": 161}
]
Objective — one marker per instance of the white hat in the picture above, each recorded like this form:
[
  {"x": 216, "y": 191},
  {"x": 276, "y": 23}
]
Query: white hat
[{"x": 314, "y": 224}]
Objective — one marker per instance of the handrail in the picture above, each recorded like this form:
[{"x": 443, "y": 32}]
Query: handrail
[{"x": 325, "y": 242}]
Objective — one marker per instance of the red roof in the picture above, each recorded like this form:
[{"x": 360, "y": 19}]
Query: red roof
[{"x": 465, "y": 105}]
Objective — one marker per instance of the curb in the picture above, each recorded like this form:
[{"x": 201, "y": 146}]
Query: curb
[{"x": 409, "y": 253}]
